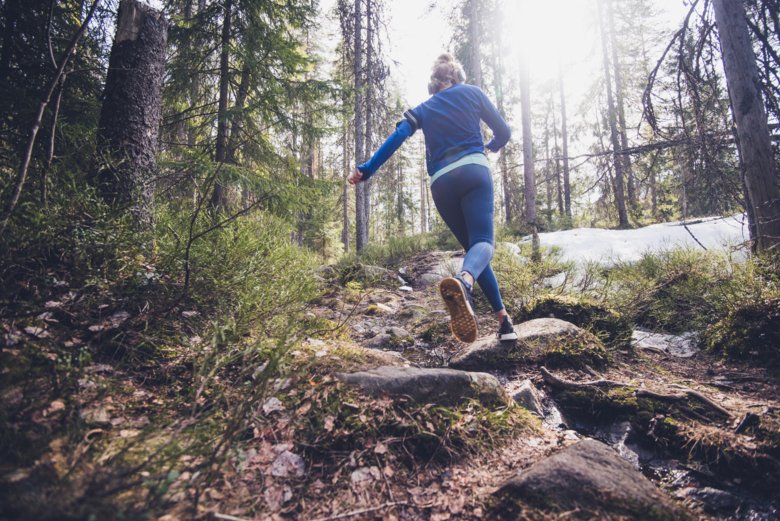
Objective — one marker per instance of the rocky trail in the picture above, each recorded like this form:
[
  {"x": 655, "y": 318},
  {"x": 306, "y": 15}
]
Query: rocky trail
[{"x": 646, "y": 429}]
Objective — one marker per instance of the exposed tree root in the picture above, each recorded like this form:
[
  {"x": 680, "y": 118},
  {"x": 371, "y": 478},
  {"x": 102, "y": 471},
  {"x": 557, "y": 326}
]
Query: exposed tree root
[{"x": 686, "y": 394}]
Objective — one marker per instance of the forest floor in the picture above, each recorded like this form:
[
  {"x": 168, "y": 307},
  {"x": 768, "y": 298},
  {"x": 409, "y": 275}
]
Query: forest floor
[{"x": 320, "y": 450}]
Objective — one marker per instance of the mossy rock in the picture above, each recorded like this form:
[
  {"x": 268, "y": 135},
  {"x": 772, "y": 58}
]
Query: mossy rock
[
  {"x": 748, "y": 333},
  {"x": 545, "y": 341},
  {"x": 611, "y": 327}
]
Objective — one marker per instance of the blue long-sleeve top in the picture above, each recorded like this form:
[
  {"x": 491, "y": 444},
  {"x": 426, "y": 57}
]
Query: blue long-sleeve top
[{"x": 450, "y": 122}]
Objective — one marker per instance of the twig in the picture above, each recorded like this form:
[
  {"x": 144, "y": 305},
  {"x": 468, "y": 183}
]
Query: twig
[
  {"x": 363, "y": 511},
  {"x": 228, "y": 517}
]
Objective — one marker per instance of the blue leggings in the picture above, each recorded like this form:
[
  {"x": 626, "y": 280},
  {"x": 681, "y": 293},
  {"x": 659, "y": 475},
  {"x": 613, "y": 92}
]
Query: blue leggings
[{"x": 464, "y": 199}]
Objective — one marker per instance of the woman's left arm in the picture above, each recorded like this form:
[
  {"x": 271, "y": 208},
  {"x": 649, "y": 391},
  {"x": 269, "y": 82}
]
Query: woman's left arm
[{"x": 402, "y": 131}]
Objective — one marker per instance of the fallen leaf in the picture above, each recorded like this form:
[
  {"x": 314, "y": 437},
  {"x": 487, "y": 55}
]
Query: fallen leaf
[
  {"x": 288, "y": 464},
  {"x": 380, "y": 448},
  {"x": 272, "y": 404},
  {"x": 328, "y": 423}
]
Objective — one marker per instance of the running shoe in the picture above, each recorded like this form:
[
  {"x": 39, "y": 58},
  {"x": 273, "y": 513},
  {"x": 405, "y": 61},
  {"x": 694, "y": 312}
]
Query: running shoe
[
  {"x": 506, "y": 333},
  {"x": 457, "y": 298}
]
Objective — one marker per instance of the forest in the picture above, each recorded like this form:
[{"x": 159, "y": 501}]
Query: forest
[{"x": 212, "y": 309}]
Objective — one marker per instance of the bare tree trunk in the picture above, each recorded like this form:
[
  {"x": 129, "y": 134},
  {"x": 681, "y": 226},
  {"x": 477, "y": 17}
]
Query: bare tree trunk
[
  {"x": 620, "y": 198},
  {"x": 52, "y": 141},
  {"x": 564, "y": 147},
  {"x": 423, "y": 220},
  {"x": 21, "y": 175},
  {"x": 621, "y": 113},
  {"x": 361, "y": 226},
  {"x": 556, "y": 164},
  {"x": 529, "y": 179},
  {"x": 369, "y": 110},
  {"x": 755, "y": 146},
  {"x": 474, "y": 40},
  {"x": 219, "y": 196}
]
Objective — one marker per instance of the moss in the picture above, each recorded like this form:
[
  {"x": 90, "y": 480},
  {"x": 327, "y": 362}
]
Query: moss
[
  {"x": 749, "y": 333},
  {"x": 574, "y": 351},
  {"x": 611, "y": 327}
]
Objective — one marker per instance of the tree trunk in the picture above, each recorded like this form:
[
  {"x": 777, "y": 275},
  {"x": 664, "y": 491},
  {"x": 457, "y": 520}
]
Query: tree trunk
[
  {"x": 564, "y": 147},
  {"x": 755, "y": 146},
  {"x": 620, "y": 198},
  {"x": 219, "y": 195},
  {"x": 621, "y": 113},
  {"x": 529, "y": 180},
  {"x": 361, "y": 226},
  {"x": 131, "y": 113},
  {"x": 475, "y": 38},
  {"x": 369, "y": 110}
]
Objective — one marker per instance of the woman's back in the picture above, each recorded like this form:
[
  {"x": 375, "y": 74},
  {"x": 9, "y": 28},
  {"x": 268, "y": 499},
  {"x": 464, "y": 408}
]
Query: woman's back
[{"x": 450, "y": 122}]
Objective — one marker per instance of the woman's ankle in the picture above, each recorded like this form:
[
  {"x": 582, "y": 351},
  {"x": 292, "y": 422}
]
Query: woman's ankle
[{"x": 468, "y": 277}]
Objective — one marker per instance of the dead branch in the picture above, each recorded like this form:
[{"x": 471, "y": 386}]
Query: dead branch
[{"x": 21, "y": 175}]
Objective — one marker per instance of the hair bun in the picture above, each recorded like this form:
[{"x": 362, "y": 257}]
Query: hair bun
[{"x": 446, "y": 72}]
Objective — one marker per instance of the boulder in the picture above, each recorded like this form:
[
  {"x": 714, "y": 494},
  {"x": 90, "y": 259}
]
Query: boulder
[
  {"x": 589, "y": 478},
  {"x": 433, "y": 385},
  {"x": 548, "y": 341},
  {"x": 609, "y": 325},
  {"x": 528, "y": 397}
]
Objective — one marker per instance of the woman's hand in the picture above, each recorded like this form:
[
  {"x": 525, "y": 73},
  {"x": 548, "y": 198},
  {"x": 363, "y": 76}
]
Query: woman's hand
[{"x": 355, "y": 177}]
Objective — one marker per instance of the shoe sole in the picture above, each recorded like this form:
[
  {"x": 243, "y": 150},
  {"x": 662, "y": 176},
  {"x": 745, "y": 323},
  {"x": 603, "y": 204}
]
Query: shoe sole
[
  {"x": 507, "y": 337},
  {"x": 463, "y": 323}
]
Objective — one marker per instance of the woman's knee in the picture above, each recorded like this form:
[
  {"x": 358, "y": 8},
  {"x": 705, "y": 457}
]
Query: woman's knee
[{"x": 484, "y": 247}]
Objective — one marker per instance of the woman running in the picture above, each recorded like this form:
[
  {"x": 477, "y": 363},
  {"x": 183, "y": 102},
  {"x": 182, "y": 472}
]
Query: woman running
[{"x": 461, "y": 184}]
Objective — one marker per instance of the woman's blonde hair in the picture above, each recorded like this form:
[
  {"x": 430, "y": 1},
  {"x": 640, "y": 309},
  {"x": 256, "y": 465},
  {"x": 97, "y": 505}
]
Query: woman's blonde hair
[{"x": 446, "y": 72}]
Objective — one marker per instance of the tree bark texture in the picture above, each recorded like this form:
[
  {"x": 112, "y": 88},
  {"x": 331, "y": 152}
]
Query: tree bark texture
[
  {"x": 620, "y": 105},
  {"x": 564, "y": 148},
  {"x": 620, "y": 198},
  {"x": 474, "y": 40},
  {"x": 131, "y": 112},
  {"x": 219, "y": 195},
  {"x": 361, "y": 226},
  {"x": 755, "y": 146},
  {"x": 529, "y": 179}
]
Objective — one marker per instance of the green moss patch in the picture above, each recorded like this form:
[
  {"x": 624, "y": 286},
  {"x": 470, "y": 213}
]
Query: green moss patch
[
  {"x": 607, "y": 324},
  {"x": 748, "y": 333}
]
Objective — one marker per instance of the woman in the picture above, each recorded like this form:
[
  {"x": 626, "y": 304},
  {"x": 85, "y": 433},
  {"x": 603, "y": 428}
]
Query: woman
[{"x": 461, "y": 184}]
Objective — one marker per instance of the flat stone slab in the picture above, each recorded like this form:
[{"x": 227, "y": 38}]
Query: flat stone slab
[
  {"x": 543, "y": 340},
  {"x": 433, "y": 385},
  {"x": 590, "y": 478}
]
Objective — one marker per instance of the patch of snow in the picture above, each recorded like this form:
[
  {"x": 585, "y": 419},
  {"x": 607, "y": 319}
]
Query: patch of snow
[
  {"x": 682, "y": 346},
  {"x": 607, "y": 247}
]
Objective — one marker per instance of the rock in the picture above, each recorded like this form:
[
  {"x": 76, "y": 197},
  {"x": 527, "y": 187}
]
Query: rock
[
  {"x": 405, "y": 289},
  {"x": 590, "y": 478},
  {"x": 713, "y": 500},
  {"x": 381, "y": 341},
  {"x": 547, "y": 341},
  {"x": 397, "y": 332},
  {"x": 432, "y": 385},
  {"x": 326, "y": 272},
  {"x": 528, "y": 397},
  {"x": 428, "y": 279},
  {"x": 378, "y": 308},
  {"x": 609, "y": 325}
]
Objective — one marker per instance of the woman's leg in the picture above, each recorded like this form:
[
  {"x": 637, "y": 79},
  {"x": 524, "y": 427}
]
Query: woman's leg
[
  {"x": 464, "y": 199},
  {"x": 477, "y": 206}
]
